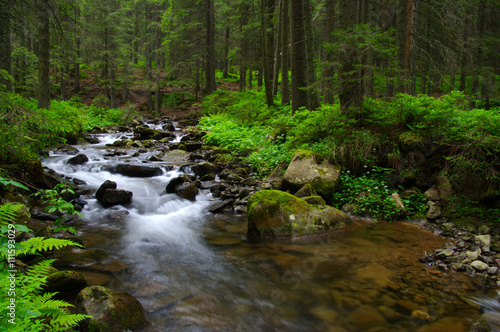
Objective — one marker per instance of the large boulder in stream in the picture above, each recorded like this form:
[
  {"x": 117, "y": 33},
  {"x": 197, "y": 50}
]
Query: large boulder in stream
[
  {"x": 204, "y": 168},
  {"x": 183, "y": 187},
  {"x": 111, "y": 311},
  {"x": 136, "y": 171},
  {"x": 187, "y": 190},
  {"x": 78, "y": 159},
  {"x": 145, "y": 133},
  {"x": 306, "y": 168},
  {"x": 273, "y": 213},
  {"x": 113, "y": 197},
  {"x": 108, "y": 195}
]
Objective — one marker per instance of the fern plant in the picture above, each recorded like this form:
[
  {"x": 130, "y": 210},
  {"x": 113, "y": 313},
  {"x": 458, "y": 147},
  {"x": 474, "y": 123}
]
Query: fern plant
[{"x": 23, "y": 305}]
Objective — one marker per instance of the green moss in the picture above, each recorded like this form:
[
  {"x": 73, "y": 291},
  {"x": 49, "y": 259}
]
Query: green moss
[
  {"x": 303, "y": 154},
  {"x": 288, "y": 202},
  {"x": 314, "y": 200}
]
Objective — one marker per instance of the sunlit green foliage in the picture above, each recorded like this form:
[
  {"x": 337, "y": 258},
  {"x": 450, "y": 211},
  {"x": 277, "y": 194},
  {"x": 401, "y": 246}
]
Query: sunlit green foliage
[
  {"x": 467, "y": 140},
  {"x": 25, "y": 129}
]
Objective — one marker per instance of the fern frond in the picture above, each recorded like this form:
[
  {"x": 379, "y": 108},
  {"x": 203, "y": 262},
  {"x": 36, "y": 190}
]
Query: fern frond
[
  {"x": 68, "y": 320},
  {"x": 50, "y": 304},
  {"x": 36, "y": 244},
  {"x": 8, "y": 212},
  {"x": 40, "y": 269}
]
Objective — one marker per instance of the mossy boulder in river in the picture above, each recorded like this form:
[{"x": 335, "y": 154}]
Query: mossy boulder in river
[
  {"x": 306, "y": 168},
  {"x": 111, "y": 311},
  {"x": 274, "y": 213}
]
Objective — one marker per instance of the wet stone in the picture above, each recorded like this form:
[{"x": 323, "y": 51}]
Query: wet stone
[
  {"x": 366, "y": 316},
  {"x": 479, "y": 266},
  {"x": 405, "y": 307},
  {"x": 324, "y": 314},
  {"x": 390, "y": 314},
  {"x": 444, "y": 254}
]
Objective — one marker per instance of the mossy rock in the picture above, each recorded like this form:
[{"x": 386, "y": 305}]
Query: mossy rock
[
  {"x": 306, "y": 191},
  {"x": 274, "y": 213},
  {"x": 306, "y": 168},
  {"x": 314, "y": 200},
  {"x": 112, "y": 311},
  {"x": 65, "y": 282},
  {"x": 79, "y": 257}
]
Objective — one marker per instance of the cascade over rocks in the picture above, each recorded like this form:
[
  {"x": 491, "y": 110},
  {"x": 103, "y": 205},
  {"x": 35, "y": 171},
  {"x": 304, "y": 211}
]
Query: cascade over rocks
[
  {"x": 112, "y": 311},
  {"x": 304, "y": 168},
  {"x": 273, "y": 213}
]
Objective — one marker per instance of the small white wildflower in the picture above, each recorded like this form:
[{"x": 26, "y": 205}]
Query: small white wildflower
[{"x": 366, "y": 166}]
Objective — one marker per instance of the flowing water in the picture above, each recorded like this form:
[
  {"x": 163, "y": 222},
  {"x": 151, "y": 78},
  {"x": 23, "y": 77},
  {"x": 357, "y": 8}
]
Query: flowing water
[{"x": 195, "y": 271}]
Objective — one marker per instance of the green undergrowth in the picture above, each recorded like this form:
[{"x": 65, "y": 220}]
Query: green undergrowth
[
  {"x": 370, "y": 195},
  {"x": 452, "y": 138},
  {"x": 25, "y": 129}
]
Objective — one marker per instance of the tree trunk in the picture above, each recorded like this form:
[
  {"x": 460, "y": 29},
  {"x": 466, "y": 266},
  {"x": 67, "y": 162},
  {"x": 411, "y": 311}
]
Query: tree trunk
[
  {"x": 285, "y": 53},
  {"x": 299, "y": 57},
  {"x": 312, "y": 96},
  {"x": 210, "y": 84},
  {"x": 267, "y": 7},
  {"x": 5, "y": 45},
  {"x": 244, "y": 9},
  {"x": 328, "y": 69},
  {"x": 401, "y": 24},
  {"x": 409, "y": 56},
  {"x": 149, "y": 51},
  {"x": 226, "y": 51},
  {"x": 368, "y": 58},
  {"x": 277, "y": 49},
  {"x": 112, "y": 88},
  {"x": 159, "y": 59},
  {"x": 62, "y": 84},
  {"x": 44, "y": 56},
  {"x": 351, "y": 90}
]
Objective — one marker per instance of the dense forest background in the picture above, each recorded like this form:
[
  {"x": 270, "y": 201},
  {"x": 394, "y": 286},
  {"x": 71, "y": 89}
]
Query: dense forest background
[
  {"x": 409, "y": 86},
  {"x": 334, "y": 48}
]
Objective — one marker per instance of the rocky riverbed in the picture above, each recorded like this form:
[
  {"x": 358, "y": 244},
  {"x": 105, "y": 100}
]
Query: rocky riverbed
[{"x": 468, "y": 257}]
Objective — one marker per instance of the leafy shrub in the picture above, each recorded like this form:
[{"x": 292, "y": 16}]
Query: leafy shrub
[{"x": 53, "y": 197}]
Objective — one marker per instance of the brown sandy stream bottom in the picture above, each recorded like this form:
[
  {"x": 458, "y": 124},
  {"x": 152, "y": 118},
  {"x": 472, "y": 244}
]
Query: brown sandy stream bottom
[{"x": 365, "y": 278}]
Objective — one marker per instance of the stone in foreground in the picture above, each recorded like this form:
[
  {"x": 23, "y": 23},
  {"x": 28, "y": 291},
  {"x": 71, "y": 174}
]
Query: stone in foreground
[
  {"x": 112, "y": 311},
  {"x": 274, "y": 213}
]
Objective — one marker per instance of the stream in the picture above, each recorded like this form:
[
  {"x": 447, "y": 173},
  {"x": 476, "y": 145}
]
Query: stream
[{"x": 193, "y": 270}]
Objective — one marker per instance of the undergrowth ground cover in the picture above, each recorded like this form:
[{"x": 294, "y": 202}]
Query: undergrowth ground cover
[
  {"x": 25, "y": 129},
  {"x": 413, "y": 138}
]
